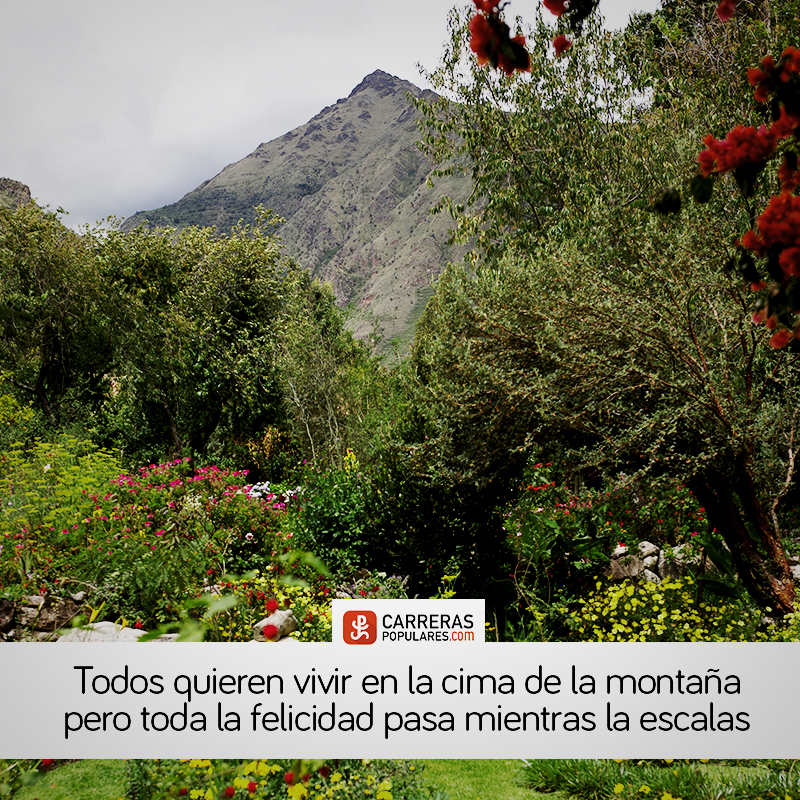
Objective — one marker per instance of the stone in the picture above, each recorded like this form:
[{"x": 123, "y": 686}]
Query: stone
[
  {"x": 283, "y": 619},
  {"x": 678, "y": 565},
  {"x": 795, "y": 570},
  {"x": 647, "y": 549},
  {"x": 621, "y": 550},
  {"x": 650, "y": 562},
  {"x": 625, "y": 567},
  {"x": 102, "y": 632},
  {"x": 6, "y": 615},
  {"x": 650, "y": 576},
  {"x": 78, "y": 597},
  {"x": 46, "y": 613}
]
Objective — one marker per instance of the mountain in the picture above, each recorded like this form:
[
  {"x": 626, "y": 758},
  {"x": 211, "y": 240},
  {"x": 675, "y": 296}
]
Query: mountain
[
  {"x": 13, "y": 193},
  {"x": 352, "y": 187}
]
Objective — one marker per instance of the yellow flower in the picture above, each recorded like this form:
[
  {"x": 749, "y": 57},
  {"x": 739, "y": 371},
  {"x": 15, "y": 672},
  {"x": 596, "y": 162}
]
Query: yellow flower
[
  {"x": 618, "y": 788},
  {"x": 297, "y": 791},
  {"x": 644, "y": 789},
  {"x": 336, "y": 777}
]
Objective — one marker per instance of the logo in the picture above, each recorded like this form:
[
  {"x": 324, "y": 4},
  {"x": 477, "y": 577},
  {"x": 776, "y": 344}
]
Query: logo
[{"x": 360, "y": 627}]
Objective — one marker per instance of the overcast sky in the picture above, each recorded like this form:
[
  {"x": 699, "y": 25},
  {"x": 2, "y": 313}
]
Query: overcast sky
[{"x": 110, "y": 107}]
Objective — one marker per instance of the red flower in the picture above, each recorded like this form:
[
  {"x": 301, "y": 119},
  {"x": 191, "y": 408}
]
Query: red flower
[
  {"x": 790, "y": 262},
  {"x": 781, "y": 338},
  {"x": 557, "y": 7},
  {"x": 481, "y": 41},
  {"x": 492, "y": 44},
  {"x": 743, "y": 145},
  {"x": 48, "y": 763},
  {"x": 270, "y": 632},
  {"x": 183, "y": 792},
  {"x": 487, "y": 6},
  {"x": 725, "y": 9},
  {"x": 561, "y": 44},
  {"x": 324, "y": 771},
  {"x": 229, "y": 791},
  {"x": 289, "y": 777},
  {"x": 272, "y": 605},
  {"x": 252, "y": 786}
]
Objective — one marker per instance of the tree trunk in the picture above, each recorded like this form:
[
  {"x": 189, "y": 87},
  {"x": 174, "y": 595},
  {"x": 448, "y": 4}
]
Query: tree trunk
[{"x": 731, "y": 504}]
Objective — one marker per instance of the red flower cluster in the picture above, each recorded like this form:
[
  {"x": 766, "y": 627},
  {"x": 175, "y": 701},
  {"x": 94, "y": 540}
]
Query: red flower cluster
[
  {"x": 744, "y": 145},
  {"x": 289, "y": 777},
  {"x": 561, "y": 44},
  {"x": 270, "y": 632},
  {"x": 251, "y": 787},
  {"x": 725, "y": 9},
  {"x": 229, "y": 791},
  {"x": 779, "y": 227},
  {"x": 492, "y": 43},
  {"x": 272, "y": 605},
  {"x": 766, "y": 78},
  {"x": 557, "y": 7}
]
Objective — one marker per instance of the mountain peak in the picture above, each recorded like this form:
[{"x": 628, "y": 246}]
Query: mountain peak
[{"x": 383, "y": 83}]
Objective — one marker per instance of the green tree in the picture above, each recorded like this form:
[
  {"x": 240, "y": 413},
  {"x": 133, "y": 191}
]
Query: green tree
[
  {"x": 584, "y": 320},
  {"x": 54, "y": 332}
]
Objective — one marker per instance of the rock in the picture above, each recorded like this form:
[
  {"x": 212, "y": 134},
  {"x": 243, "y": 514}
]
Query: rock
[
  {"x": 6, "y": 615},
  {"x": 795, "y": 570},
  {"x": 650, "y": 576},
  {"x": 621, "y": 550},
  {"x": 651, "y": 562},
  {"x": 45, "y": 613},
  {"x": 102, "y": 632},
  {"x": 78, "y": 597},
  {"x": 625, "y": 567},
  {"x": 647, "y": 549},
  {"x": 283, "y": 619},
  {"x": 679, "y": 564}
]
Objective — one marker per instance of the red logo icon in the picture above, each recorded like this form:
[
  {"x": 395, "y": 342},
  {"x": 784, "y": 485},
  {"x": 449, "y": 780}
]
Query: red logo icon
[{"x": 360, "y": 627}]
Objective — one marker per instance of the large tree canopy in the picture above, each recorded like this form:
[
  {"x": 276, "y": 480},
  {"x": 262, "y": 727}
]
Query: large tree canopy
[{"x": 583, "y": 320}]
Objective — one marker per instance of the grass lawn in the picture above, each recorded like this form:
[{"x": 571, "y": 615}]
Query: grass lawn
[
  {"x": 484, "y": 779},
  {"x": 81, "y": 780}
]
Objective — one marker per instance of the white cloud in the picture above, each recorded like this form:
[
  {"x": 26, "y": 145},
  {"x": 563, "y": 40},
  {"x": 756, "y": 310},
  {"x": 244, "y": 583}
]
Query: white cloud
[{"x": 111, "y": 107}]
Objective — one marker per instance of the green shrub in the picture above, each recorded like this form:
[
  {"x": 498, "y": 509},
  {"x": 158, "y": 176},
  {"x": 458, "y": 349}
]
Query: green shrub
[
  {"x": 661, "y": 612},
  {"x": 350, "y": 779},
  {"x": 334, "y": 516},
  {"x": 663, "y": 779}
]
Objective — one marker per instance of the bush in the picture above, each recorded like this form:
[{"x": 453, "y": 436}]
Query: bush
[
  {"x": 261, "y": 779},
  {"x": 667, "y": 779},
  {"x": 663, "y": 612},
  {"x": 334, "y": 516},
  {"x": 311, "y": 606}
]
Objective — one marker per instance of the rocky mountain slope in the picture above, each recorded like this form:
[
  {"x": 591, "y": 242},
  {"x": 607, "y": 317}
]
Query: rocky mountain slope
[
  {"x": 13, "y": 193},
  {"x": 351, "y": 185}
]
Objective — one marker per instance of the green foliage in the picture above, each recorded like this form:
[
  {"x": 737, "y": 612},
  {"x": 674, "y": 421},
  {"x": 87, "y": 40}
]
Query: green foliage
[
  {"x": 346, "y": 779},
  {"x": 583, "y": 322},
  {"x": 667, "y": 779},
  {"x": 662, "y": 612},
  {"x": 311, "y": 606},
  {"x": 334, "y": 516}
]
